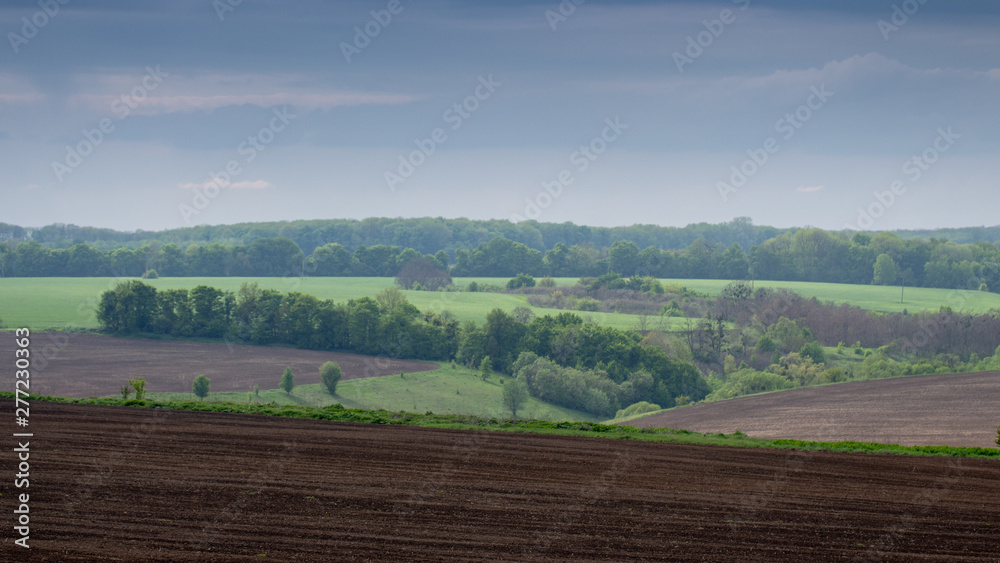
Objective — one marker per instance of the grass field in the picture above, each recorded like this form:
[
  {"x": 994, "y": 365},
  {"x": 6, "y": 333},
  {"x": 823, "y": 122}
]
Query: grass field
[
  {"x": 444, "y": 391},
  {"x": 58, "y": 303},
  {"x": 70, "y": 302}
]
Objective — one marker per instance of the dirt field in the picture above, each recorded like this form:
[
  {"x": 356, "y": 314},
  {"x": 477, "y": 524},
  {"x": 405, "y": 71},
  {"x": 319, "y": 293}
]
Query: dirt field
[
  {"x": 115, "y": 483},
  {"x": 90, "y": 365},
  {"x": 954, "y": 410}
]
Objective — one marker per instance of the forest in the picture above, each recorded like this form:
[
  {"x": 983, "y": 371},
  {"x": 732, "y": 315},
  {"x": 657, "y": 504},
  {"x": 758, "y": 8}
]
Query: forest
[{"x": 762, "y": 253}]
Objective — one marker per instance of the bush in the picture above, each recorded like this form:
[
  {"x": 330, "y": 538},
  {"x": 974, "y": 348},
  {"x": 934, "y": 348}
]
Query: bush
[
  {"x": 588, "y": 304},
  {"x": 126, "y": 391},
  {"x": 139, "y": 384},
  {"x": 150, "y": 274},
  {"x": 815, "y": 351},
  {"x": 473, "y": 287},
  {"x": 287, "y": 381},
  {"x": 547, "y": 281},
  {"x": 641, "y": 407},
  {"x": 521, "y": 280},
  {"x": 330, "y": 374},
  {"x": 200, "y": 386}
]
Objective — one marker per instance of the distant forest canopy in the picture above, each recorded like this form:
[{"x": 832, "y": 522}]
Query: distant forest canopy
[{"x": 736, "y": 250}]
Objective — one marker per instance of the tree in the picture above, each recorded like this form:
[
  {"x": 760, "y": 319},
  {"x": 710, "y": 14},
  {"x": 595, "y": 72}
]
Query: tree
[
  {"x": 287, "y": 381},
  {"x": 521, "y": 280},
  {"x": 330, "y": 374},
  {"x": 139, "y": 384},
  {"x": 886, "y": 270},
  {"x": 425, "y": 271},
  {"x": 485, "y": 368},
  {"x": 515, "y": 395},
  {"x": 201, "y": 385}
]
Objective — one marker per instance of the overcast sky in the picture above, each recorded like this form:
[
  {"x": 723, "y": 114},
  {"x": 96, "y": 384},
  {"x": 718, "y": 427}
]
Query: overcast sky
[{"x": 629, "y": 112}]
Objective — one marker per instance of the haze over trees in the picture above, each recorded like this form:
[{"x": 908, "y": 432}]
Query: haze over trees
[{"x": 432, "y": 250}]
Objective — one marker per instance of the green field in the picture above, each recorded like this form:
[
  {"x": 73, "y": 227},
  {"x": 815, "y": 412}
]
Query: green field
[
  {"x": 45, "y": 303},
  {"x": 873, "y": 297},
  {"x": 444, "y": 391}
]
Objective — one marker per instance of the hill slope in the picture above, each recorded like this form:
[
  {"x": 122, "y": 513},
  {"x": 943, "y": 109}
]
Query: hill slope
[{"x": 954, "y": 410}]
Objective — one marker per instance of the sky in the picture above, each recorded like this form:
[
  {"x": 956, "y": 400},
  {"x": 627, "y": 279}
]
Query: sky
[{"x": 860, "y": 114}]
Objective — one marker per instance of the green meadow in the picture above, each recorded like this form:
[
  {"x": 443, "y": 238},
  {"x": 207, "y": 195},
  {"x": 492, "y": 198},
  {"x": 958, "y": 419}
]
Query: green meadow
[
  {"x": 447, "y": 390},
  {"x": 47, "y": 303}
]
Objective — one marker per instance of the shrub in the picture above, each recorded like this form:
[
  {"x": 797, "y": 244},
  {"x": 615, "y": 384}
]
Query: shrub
[
  {"x": 588, "y": 304},
  {"x": 287, "y": 380},
  {"x": 139, "y": 384},
  {"x": 815, "y": 351},
  {"x": 547, "y": 281},
  {"x": 200, "y": 386},
  {"x": 330, "y": 374},
  {"x": 126, "y": 391},
  {"x": 473, "y": 287},
  {"x": 682, "y": 400},
  {"x": 521, "y": 280},
  {"x": 150, "y": 274},
  {"x": 641, "y": 407}
]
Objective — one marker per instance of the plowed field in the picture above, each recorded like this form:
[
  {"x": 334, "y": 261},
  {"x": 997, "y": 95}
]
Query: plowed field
[
  {"x": 126, "y": 484},
  {"x": 91, "y": 365},
  {"x": 929, "y": 410}
]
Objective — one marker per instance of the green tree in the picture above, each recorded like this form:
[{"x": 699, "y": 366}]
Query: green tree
[
  {"x": 200, "y": 386},
  {"x": 287, "y": 381},
  {"x": 515, "y": 395},
  {"x": 139, "y": 384},
  {"x": 886, "y": 271},
  {"x": 485, "y": 368},
  {"x": 330, "y": 374}
]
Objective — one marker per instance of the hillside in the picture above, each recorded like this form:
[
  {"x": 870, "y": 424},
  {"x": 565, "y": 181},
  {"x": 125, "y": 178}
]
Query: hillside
[{"x": 954, "y": 410}]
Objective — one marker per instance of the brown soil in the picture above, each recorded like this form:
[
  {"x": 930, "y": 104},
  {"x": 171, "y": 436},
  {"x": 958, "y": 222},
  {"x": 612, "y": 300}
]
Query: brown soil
[
  {"x": 954, "y": 410},
  {"x": 91, "y": 365},
  {"x": 128, "y": 484}
]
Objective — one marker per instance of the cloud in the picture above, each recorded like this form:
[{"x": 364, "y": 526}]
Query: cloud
[
  {"x": 155, "y": 105},
  {"x": 245, "y": 185},
  {"x": 809, "y": 189}
]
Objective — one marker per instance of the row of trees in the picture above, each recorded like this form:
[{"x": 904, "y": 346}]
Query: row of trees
[
  {"x": 805, "y": 255},
  {"x": 427, "y": 235}
]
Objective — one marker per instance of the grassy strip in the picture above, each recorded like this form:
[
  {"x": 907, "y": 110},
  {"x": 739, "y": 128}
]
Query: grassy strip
[{"x": 588, "y": 429}]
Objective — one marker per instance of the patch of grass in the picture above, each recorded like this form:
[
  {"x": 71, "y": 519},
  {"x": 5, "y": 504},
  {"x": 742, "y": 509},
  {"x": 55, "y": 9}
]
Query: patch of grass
[
  {"x": 564, "y": 428},
  {"x": 447, "y": 390}
]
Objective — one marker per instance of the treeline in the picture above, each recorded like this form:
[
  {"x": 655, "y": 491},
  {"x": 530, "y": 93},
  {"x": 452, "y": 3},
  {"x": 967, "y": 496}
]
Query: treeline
[
  {"x": 805, "y": 255},
  {"x": 426, "y": 235},
  {"x": 389, "y": 325}
]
